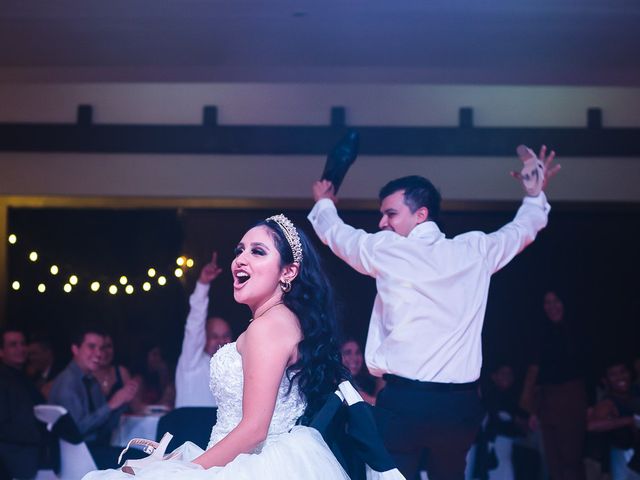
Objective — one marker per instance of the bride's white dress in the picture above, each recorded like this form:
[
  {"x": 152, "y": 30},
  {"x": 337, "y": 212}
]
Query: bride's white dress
[{"x": 289, "y": 452}]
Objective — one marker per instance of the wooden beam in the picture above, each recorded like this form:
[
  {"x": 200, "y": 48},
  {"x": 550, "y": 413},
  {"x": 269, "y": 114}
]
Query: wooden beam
[{"x": 213, "y": 138}]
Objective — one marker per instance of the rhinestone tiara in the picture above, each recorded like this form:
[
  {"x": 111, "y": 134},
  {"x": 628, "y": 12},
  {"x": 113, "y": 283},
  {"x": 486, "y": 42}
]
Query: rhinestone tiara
[{"x": 291, "y": 234}]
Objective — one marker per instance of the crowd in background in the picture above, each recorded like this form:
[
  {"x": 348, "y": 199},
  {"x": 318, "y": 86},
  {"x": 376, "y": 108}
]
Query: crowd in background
[{"x": 548, "y": 422}]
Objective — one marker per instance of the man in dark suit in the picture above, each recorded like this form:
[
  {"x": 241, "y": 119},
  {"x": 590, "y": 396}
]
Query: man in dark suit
[{"x": 21, "y": 436}]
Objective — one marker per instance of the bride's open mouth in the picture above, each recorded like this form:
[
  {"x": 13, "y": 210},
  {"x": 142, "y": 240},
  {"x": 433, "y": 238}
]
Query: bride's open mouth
[{"x": 240, "y": 278}]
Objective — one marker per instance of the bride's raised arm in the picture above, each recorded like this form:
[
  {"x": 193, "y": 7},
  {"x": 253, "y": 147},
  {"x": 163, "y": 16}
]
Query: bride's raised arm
[{"x": 267, "y": 347}]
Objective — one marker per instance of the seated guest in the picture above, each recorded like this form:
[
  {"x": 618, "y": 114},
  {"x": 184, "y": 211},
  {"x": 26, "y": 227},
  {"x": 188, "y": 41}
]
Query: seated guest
[
  {"x": 156, "y": 380},
  {"x": 41, "y": 366},
  {"x": 504, "y": 422},
  {"x": 202, "y": 338},
  {"x": 617, "y": 415},
  {"x": 353, "y": 359},
  {"x": 20, "y": 434},
  {"x": 77, "y": 390},
  {"x": 110, "y": 376}
]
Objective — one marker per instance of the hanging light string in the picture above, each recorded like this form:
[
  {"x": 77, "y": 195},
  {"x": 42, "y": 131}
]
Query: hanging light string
[{"x": 67, "y": 278}]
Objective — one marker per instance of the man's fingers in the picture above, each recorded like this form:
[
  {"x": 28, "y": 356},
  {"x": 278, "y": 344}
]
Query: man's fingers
[
  {"x": 552, "y": 171},
  {"x": 543, "y": 152},
  {"x": 548, "y": 161}
]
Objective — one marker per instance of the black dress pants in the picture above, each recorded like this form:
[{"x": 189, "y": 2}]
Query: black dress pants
[{"x": 438, "y": 422}]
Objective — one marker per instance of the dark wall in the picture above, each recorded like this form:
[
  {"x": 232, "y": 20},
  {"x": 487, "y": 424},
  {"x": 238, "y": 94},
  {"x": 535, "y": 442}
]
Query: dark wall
[{"x": 589, "y": 255}]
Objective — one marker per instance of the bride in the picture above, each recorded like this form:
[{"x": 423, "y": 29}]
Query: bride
[{"x": 281, "y": 368}]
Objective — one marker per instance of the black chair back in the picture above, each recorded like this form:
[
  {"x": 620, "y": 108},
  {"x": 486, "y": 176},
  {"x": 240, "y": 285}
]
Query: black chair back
[{"x": 188, "y": 424}]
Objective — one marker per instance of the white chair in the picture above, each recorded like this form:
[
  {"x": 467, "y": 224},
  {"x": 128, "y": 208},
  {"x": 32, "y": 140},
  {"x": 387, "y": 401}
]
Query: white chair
[{"x": 75, "y": 460}]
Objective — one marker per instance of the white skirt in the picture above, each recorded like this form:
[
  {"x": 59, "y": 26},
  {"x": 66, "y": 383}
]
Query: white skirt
[{"x": 299, "y": 454}]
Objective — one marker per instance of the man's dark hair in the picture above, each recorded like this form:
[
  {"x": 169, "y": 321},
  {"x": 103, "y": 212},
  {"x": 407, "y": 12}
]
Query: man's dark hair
[
  {"x": 79, "y": 333},
  {"x": 418, "y": 192}
]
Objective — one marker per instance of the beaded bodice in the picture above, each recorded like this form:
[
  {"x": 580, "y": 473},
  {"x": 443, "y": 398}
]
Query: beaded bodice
[{"x": 226, "y": 382}]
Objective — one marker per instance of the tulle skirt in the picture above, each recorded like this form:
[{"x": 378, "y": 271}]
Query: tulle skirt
[{"x": 299, "y": 454}]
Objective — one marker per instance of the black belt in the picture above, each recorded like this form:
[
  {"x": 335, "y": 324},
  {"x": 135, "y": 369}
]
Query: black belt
[{"x": 429, "y": 386}]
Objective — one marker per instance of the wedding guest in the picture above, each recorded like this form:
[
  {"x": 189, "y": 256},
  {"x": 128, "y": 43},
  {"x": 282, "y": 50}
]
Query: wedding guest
[
  {"x": 77, "y": 390},
  {"x": 41, "y": 366},
  {"x": 617, "y": 416},
  {"x": 353, "y": 359},
  {"x": 111, "y": 377},
  {"x": 21, "y": 436},
  {"x": 202, "y": 338},
  {"x": 156, "y": 382},
  {"x": 557, "y": 379}
]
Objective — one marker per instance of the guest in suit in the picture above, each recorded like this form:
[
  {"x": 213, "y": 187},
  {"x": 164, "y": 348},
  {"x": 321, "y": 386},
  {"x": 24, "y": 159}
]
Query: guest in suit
[
  {"x": 77, "y": 390},
  {"x": 42, "y": 366},
  {"x": 21, "y": 436}
]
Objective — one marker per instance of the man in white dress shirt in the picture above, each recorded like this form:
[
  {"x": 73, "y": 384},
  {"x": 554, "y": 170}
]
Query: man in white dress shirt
[
  {"x": 201, "y": 340},
  {"x": 424, "y": 336}
]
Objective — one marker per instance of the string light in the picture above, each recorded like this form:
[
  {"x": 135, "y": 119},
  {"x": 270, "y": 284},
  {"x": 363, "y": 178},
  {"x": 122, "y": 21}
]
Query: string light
[{"x": 183, "y": 262}]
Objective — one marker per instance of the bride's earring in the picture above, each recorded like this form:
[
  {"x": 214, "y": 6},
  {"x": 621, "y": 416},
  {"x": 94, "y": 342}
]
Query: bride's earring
[{"x": 285, "y": 286}]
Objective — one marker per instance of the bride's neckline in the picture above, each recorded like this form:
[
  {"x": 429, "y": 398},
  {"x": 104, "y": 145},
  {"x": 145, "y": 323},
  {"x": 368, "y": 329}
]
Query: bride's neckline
[{"x": 262, "y": 314}]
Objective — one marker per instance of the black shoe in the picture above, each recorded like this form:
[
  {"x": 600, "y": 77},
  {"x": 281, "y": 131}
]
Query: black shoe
[{"x": 340, "y": 158}]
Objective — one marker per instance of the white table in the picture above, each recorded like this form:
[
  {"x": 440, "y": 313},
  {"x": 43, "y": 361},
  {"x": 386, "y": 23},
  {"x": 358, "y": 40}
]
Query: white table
[{"x": 135, "y": 426}]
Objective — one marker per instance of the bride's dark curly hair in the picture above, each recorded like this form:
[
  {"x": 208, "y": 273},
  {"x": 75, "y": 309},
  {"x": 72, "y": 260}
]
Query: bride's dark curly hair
[{"x": 319, "y": 368}]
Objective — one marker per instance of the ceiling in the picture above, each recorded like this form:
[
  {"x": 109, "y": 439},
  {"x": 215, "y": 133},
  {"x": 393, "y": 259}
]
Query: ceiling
[{"x": 555, "y": 42}]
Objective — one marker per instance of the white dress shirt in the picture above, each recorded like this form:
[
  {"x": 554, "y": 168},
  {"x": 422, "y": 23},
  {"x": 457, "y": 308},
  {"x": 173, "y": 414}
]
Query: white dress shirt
[
  {"x": 428, "y": 313},
  {"x": 192, "y": 372}
]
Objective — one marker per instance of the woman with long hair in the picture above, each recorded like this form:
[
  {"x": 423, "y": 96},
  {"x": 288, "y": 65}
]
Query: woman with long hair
[
  {"x": 110, "y": 376},
  {"x": 278, "y": 373},
  {"x": 353, "y": 359},
  {"x": 555, "y": 390}
]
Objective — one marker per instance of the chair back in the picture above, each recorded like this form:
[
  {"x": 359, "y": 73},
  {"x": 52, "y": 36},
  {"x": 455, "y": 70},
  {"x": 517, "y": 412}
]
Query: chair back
[
  {"x": 49, "y": 414},
  {"x": 75, "y": 459},
  {"x": 187, "y": 424},
  {"x": 348, "y": 427}
]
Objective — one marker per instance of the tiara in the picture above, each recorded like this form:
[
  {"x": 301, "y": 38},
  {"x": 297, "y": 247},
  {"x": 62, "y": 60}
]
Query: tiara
[{"x": 291, "y": 234}]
